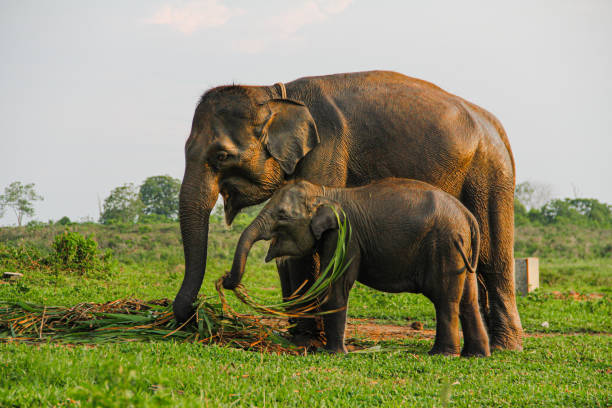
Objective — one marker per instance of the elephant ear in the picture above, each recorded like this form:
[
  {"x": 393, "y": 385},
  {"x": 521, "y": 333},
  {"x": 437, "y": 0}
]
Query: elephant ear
[
  {"x": 324, "y": 220},
  {"x": 289, "y": 132}
]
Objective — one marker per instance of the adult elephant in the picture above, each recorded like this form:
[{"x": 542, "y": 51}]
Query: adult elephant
[{"x": 347, "y": 130}]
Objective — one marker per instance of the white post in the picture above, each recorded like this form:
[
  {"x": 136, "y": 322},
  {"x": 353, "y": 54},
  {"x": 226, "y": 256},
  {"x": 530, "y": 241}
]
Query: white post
[{"x": 526, "y": 275}]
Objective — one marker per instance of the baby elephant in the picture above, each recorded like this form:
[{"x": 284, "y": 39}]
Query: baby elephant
[{"x": 407, "y": 236}]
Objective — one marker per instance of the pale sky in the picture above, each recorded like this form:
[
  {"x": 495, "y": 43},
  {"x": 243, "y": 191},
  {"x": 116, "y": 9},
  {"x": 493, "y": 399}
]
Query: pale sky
[{"x": 97, "y": 94}]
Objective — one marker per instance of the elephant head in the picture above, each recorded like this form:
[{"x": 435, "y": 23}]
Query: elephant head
[
  {"x": 244, "y": 143},
  {"x": 294, "y": 220}
]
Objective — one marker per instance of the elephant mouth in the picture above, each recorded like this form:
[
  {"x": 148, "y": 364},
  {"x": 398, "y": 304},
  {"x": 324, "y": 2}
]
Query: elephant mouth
[
  {"x": 271, "y": 251},
  {"x": 228, "y": 208}
]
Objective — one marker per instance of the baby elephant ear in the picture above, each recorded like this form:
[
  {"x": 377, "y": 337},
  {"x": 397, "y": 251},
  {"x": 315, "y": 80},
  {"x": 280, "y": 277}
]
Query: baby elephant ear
[
  {"x": 289, "y": 133},
  {"x": 323, "y": 220}
]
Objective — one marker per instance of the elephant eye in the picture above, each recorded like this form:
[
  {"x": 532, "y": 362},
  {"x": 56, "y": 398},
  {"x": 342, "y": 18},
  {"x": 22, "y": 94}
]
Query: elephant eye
[
  {"x": 282, "y": 215},
  {"x": 222, "y": 156}
]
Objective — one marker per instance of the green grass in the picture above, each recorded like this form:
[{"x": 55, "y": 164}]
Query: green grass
[
  {"x": 562, "y": 371},
  {"x": 555, "y": 370}
]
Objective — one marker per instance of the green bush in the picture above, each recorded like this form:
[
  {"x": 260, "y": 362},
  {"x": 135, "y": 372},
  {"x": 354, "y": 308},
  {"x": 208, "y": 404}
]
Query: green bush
[
  {"x": 75, "y": 252},
  {"x": 144, "y": 229},
  {"x": 35, "y": 225},
  {"x": 22, "y": 257},
  {"x": 70, "y": 251},
  {"x": 154, "y": 219}
]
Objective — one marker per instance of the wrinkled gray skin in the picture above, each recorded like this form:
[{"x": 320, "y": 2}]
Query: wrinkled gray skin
[
  {"x": 407, "y": 236},
  {"x": 348, "y": 130}
]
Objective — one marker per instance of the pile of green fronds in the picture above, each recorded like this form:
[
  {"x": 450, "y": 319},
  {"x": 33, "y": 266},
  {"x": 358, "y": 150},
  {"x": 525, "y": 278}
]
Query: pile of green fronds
[
  {"x": 135, "y": 320},
  {"x": 306, "y": 304}
]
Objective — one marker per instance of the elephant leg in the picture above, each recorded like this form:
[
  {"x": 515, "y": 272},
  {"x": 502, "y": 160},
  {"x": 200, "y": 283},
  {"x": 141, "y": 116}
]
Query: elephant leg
[
  {"x": 293, "y": 273},
  {"x": 505, "y": 331},
  {"x": 475, "y": 338},
  {"x": 444, "y": 287},
  {"x": 447, "y": 328},
  {"x": 495, "y": 215},
  {"x": 335, "y": 324},
  {"x": 284, "y": 275},
  {"x": 504, "y": 324},
  {"x": 337, "y": 300}
]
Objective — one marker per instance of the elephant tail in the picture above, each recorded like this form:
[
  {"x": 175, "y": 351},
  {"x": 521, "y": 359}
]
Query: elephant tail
[
  {"x": 475, "y": 232},
  {"x": 475, "y": 235}
]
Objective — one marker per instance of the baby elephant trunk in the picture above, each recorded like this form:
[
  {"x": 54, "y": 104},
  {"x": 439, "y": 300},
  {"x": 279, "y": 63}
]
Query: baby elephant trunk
[{"x": 253, "y": 233}]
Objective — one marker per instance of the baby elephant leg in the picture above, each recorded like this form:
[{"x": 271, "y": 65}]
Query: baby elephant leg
[
  {"x": 475, "y": 338},
  {"x": 337, "y": 301},
  {"x": 447, "y": 327},
  {"x": 294, "y": 272},
  {"x": 335, "y": 325},
  {"x": 445, "y": 290}
]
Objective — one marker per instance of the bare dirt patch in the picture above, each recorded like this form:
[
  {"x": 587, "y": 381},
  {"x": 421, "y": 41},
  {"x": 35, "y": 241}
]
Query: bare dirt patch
[
  {"x": 572, "y": 295},
  {"x": 369, "y": 329},
  {"x": 373, "y": 330}
]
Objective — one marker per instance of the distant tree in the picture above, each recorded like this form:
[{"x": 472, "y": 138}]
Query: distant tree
[
  {"x": 532, "y": 194},
  {"x": 160, "y": 196},
  {"x": 64, "y": 221},
  {"x": 579, "y": 211},
  {"x": 122, "y": 205},
  {"x": 20, "y": 197}
]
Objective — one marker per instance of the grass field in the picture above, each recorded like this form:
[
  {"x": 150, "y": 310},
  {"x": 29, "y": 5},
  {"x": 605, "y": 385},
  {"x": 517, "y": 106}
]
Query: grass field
[{"x": 567, "y": 363}]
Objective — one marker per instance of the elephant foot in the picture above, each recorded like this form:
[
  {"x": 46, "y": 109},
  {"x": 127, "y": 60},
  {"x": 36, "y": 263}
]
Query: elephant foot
[
  {"x": 307, "y": 333},
  {"x": 475, "y": 352},
  {"x": 444, "y": 350},
  {"x": 515, "y": 346},
  {"x": 307, "y": 341},
  {"x": 336, "y": 349},
  {"x": 504, "y": 324},
  {"x": 507, "y": 341}
]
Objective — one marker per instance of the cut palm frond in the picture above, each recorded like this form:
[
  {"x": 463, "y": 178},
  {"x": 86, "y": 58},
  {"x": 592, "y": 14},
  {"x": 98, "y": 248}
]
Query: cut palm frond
[{"x": 136, "y": 320}]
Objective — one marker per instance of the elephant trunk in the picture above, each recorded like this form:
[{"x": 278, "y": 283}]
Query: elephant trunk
[
  {"x": 198, "y": 195},
  {"x": 256, "y": 231}
]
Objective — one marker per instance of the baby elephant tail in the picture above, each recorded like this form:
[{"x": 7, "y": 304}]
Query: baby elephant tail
[{"x": 475, "y": 235}]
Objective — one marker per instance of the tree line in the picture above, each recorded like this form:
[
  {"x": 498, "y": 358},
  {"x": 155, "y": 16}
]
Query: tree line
[
  {"x": 532, "y": 206},
  {"x": 156, "y": 200}
]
